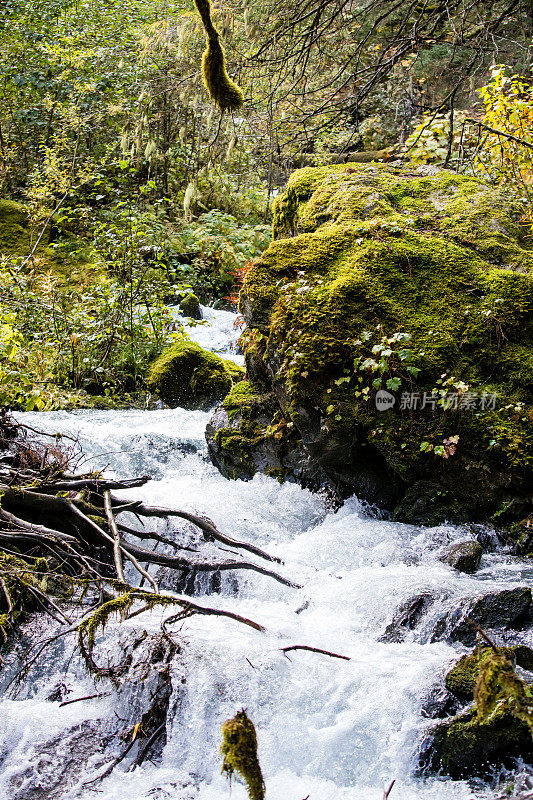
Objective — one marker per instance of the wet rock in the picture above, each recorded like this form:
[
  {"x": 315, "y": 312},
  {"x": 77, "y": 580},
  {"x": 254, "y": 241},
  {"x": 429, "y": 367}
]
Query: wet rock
[
  {"x": 242, "y": 440},
  {"x": 440, "y": 703},
  {"x": 407, "y": 617},
  {"x": 508, "y": 609},
  {"x": 463, "y": 556},
  {"x": 464, "y": 746}
]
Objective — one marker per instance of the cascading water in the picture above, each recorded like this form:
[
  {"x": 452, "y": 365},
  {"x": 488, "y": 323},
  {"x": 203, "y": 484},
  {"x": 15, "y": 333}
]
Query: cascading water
[{"x": 328, "y": 729}]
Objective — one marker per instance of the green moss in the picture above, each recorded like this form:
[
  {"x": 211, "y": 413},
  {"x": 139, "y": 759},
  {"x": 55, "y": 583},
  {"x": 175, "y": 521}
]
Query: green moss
[
  {"x": 68, "y": 259},
  {"x": 440, "y": 257},
  {"x": 462, "y": 678},
  {"x": 226, "y": 94},
  {"x": 239, "y": 751},
  {"x": 187, "y": 375}
]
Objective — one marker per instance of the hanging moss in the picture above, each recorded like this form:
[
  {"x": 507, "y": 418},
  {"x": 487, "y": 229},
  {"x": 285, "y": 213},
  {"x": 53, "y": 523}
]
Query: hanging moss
[
  {"x": 222, "y": 90},
  {"x": 121, "y": 604},
  {"x": 239, "y": 750},
  {"x": 462, "y": 678}
]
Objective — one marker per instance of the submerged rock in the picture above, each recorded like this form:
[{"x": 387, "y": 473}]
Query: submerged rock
[
  {"x": 58, "y": 766},
  {"x": 416, "y": 284},
  {"x": 463, "y": 556},
  {"x": 187, "y": 375},
  {"x": 508, "y": 609}
]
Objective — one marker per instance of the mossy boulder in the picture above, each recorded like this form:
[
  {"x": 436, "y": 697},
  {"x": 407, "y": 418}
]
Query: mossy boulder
[
  {"x": 190, "y": 306},
  {"x": 187, "y": 375},
  {"x": 495, "y": 731},
  {"x": 417, "y": 283},
  {"x": 464, "y": 746}
]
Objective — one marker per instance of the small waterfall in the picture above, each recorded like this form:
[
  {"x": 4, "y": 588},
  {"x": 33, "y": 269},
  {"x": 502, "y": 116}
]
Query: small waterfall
[{"x": 328, "y": 729}]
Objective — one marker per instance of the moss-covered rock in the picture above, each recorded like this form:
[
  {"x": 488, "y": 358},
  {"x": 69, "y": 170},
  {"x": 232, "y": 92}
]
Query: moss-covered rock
[
  {"x": 495, "y": 731},
  {"x": 466, "y": 746},
  {"x": 187, "y": 375},
  {"x": 417, "y": 283},
  {"x": 462, "y": 678},
  {"x": 248, "y": 434},
  {"x": 190, "y": 306}
]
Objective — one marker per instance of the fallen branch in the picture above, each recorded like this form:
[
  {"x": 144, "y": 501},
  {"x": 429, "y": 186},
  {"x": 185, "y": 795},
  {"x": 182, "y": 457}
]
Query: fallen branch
[
  {"x": 116, "y": 535},
  {"x": 204, "y": 525},
  {"x": 87, "y": 697},
  {"x": 190, "y": 608},
  {"x": 286, "y": 650}
]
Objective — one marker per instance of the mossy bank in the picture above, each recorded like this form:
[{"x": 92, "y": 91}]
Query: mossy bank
[{"x": 414, "y": 283}]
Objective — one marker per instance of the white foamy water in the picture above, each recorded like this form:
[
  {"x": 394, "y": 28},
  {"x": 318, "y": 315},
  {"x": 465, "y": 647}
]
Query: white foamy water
[
  {"x": 328, "y": 729},
  {"x": 216, "y": 331}
]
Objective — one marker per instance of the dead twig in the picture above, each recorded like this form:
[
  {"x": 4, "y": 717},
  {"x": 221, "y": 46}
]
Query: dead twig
[{"x": 286, "y": 650}]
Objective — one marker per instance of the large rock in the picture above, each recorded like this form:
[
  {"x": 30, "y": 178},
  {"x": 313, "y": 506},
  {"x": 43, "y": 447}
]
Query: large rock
[
  {"x": 508, "y": 609},
  {"x": 464, "y": 746},
  {"x": 187, "y": 375},
  {"x": 413, "y": 283}
]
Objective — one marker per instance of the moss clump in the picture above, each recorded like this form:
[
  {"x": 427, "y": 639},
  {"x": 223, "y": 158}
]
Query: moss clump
[
  {"x": 225, "y": 93},
  {"x": 362, "y": 254},
  {"x": 462, "y": 678},
  {"x": 187, "y": 375},
  {"x": 239, "y": 751},
  {"x": 190, "y": 306}
]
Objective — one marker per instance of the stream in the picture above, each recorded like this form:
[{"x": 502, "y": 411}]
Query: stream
[{"x": 328, "y": 729}]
